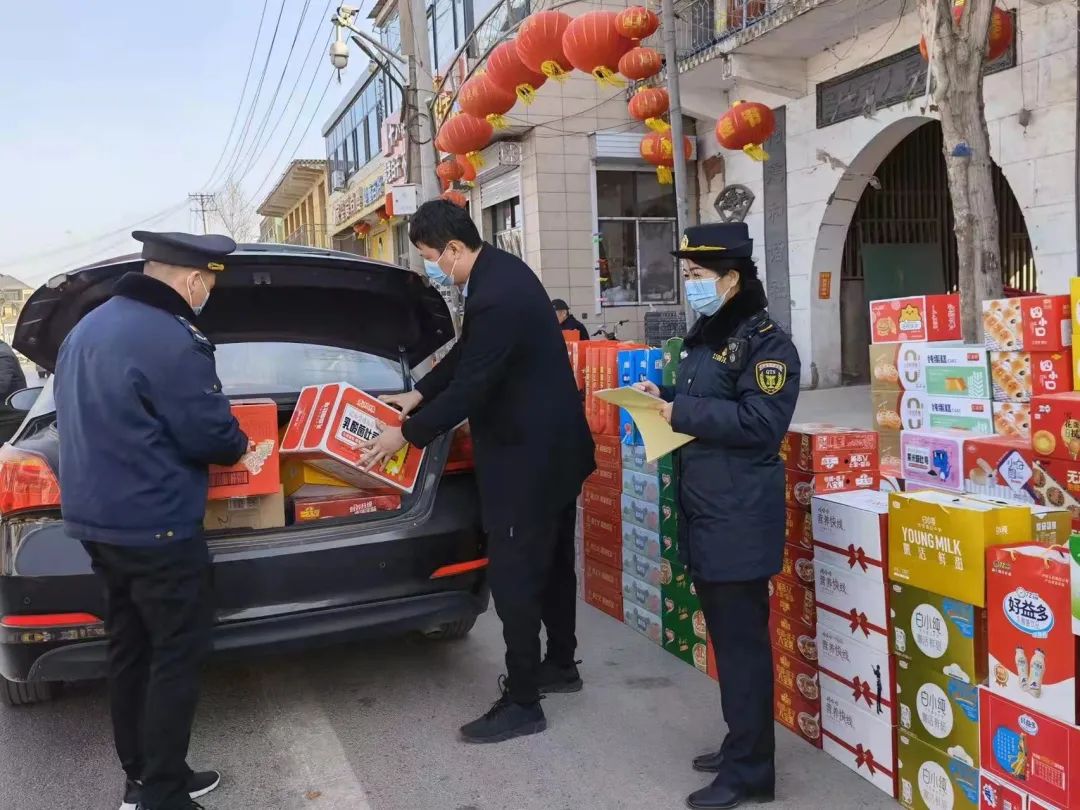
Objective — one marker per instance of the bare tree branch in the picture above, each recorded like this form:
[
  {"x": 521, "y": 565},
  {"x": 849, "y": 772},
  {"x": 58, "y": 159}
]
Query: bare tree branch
[{"x": 236, "y": 214}]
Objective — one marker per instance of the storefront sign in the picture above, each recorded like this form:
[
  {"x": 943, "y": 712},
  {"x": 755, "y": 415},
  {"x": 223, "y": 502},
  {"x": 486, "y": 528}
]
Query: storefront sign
[
  {"x": 357, "y": 198},
  {"x": 395, "y": 146},
  {"x": 777, "y": 279}
]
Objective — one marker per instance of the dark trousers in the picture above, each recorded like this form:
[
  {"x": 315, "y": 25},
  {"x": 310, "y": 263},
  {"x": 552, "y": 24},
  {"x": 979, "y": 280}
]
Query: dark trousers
[
  {"x": 532, "y": 577},
  {"x": 737, "y": 617},
  {"x": 158, "y": 618}
]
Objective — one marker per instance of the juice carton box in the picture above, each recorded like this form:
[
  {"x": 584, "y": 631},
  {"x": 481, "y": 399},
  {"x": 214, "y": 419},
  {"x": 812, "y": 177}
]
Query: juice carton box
[
  {"x": 819, "y": 447},
  {"x": 644, "y": 621},
  {"x": 798, "y": 527},
  {"x": 641, "y": 567},
  {"x": 603, "y": 588},
  {"x": 791, "y": 599},
  {"x": 797, "y": 697},
  {"x": 858, "y": 739},
  {"x": 930, "y": 779},
  {"x": 933, "y": 458},
  {"x": 997, "y": 794},
  {"x": 633, "y": 459},
  {"x": 642, "y": 486},
  {"x": 1055, "y": 425},
  {"x": 641, "y": 542},
  {"x": 1033, "y": 653},
  {"x": 851, "y": 603},
  {"x": 939, "y": 633},
  {"x": 798, "y": 565},
  {"x": 800, "y": 486},
  {"x": 639, "y": 592},
  {"x": 862, "y": 673},
  {"x": 793, "y": 637},
  {"x": 609, "y": 454},
  {"x": 941, "y": 711},
  {"x": 1025, "y": 748},
  {"x": 1018, "y": 376},
  {"x": 1031, "y": 323},
  {"x": 1013, "y": 419},
  {"x": 957, "y": 371},
  {"x": 999, "y": 467},
  {"x": 258, "y": 472},
  {"x": 641, "y": 513},
  {"x": 915, "y": 318},
  {"x": 938, "y": 541},
  {"x": 849, "y": 531},
  {"x": 327, "y": 427}
]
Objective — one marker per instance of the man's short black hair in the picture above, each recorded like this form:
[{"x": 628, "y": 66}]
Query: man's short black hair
[
  {"x": 745, "y": 267},
  {"x": 560, "y": 305},
  {"x": 437, "y": 222}
]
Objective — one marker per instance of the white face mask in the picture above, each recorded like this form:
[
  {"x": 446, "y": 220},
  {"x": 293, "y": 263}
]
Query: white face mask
[{"x": 191, "y": 298}]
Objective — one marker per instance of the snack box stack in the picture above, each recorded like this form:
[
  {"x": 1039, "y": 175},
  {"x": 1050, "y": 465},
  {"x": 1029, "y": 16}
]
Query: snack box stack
[
  {"x": 857, "y": 671},
  {"x": 683, "y": 622},
  {"x": 641, "y": 546},
  {"x": 1055, "y": 444},
  {"x": 637, "y": 365},
  {"x": 248, "y": 494},
  {"x": 601, "y": 530},
  {"x": 820, "y": 458},
  {"x": 575, "y": 351},
  {"x": 959, "y": 461},
  {"x": 1030, "y": 343}
]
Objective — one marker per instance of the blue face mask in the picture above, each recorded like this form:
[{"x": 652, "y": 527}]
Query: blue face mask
[
  {"x": 437, "y": 274},
  {"x": 703, "y": 297}
]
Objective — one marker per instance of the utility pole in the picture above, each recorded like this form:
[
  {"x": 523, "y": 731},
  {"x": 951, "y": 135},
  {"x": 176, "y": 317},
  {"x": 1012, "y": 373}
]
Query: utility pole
[{"x": 201, "y": 204}]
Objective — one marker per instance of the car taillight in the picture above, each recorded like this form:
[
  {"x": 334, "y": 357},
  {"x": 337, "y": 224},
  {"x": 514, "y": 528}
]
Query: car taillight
[
  {"x": 42, "y": 628},
  {"x": 26, "y": 482},
  {"x": 461, "y": 451}
]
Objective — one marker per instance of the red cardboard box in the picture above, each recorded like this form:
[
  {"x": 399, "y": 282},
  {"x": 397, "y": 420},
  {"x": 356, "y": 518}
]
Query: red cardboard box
[
  {"x": 1055, "y": 425},
  {"x": 797, "y": 700},
  {"x": 1012, "y": 419},
  {"x": 798, "y": 565},
  {"x": 1037, "y": 753},
  {"x": 608, "y": 453},
  {"x": 602, "y": 549},
  {"x": 793, "y": 600},
  {"x": 362, "y": 503},
  {"x": 327, "y": 427},
  {"x": 1018, "y": 376},
  {"x": 997, "y": 794},
  {"x": 999, "y": 467},
  {"x": 801, "y": 486},
  {"x": 607, "y": 478},
  {"x": 258, "y": 472},
  {"x": 1033, "y": 653},
  {"x": 792, "y": 673},
  {"x": 710, "y": 661},
  {"x": 1028, "y": 323},
  {"x": 919, "y": 317},
  {"x": 1056, "y": 483},
  {"x": 820, "y": 447},
  {"x": 793, "y": 637},
  {"x": 798, "y": 527},
  {"x": 851, "y": 531},
  {"x": 602, "y": 501},
  {"x": 601, "y": 528},
  {"x": 603, "y": 588}
]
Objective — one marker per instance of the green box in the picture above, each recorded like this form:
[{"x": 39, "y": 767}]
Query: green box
[
  {"x": 669, "y": 484},
  {"x": 672, "y": 357},
  {"x": 941, "y": 711},
  {"x": 669, "y": 518},
  {"x": 930, "y": 779},
  {"x": 939, "y": 633},
  {"x": 669, "y": 548},
  {"x": 679, "y": 643},
  {"x": 680, "y": 605}
]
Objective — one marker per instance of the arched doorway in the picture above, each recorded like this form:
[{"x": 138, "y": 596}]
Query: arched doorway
[{"x": 900, "y": 240}]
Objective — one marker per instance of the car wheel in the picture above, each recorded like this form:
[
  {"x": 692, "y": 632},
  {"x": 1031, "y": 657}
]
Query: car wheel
[
  {"x": 452, "y": 631},
  {"x": 13, "y": 693}
]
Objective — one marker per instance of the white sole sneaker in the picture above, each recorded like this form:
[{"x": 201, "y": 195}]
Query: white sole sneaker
[
  {"x": 196, "y": 794},
  {"x": 128, "y": 806}
]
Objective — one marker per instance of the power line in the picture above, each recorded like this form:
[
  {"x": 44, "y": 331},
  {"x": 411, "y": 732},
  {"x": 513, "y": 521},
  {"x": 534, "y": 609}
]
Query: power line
[{"x": 201, "y": 205}]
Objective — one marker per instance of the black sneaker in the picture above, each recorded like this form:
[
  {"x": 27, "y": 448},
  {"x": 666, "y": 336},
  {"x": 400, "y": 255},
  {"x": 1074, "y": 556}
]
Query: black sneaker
[
  {"x": 199, "y": 784},
  {"x": 192, "y": 806},
  {"x": 505, "y": 720},
  {"x": 553, "y": 679}
]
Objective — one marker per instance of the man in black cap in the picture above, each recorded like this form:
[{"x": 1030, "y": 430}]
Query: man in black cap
[
  {"x": 141, "y": 416},
  {"x": 567, "y": 322}
]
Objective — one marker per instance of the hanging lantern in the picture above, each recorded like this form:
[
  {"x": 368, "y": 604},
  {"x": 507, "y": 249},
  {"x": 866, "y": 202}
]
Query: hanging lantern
[
  {"x": 640, "y": 63},
  {"x": 505, "y": 68},
  {"x": 383, "y": 215},
  {"x": 388, "y": 206},
  {"x": 648, "y": 104},
  {"x": 465, "y": 134},
  {"x": 449, "y": 170},
  {"x": 746, "y": 126},
  {"x": 468, "y": 171},
  {"x": 480, "y": 96},
  {"x": 456, "y": 197},
  {"x": 637, "y": 23},
  {"x": 998, "y": 40},
  {"x": 592, "y": 45},
  {"x": 539, "y": 44},
  {"x": 656, "y": 148},
  {"x": 361, "y": 230}
]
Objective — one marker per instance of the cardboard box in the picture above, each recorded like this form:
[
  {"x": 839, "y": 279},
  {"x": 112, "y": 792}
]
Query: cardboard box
[
  {"x": 358, "y": 502},
  {"x": 639, "y": 592},
  {"x": 798, "y": 527},
  {"x": 851, "y": 603},
  {"x": 897, "y": 366},
  {"x": 917, "y": 410},
  {"x": 798, "y": 565},
  {"x": 999, "y": 467},
  {"x": 669, "y": 485},
  {"x": 609, "y": 454},
  {"x": 889, "y": 443},
  {"x": 602, "y": 528},
  {"x": 710, "y": 661},
  {"x": 1050, "y": 525},
  {"x": 1018, "y": 376},
  {"x": 858, "y": 739},
  {"x": 1033, "y": 653},
  {"x": 1013, "y": 419},
  {"x": 818, "y": 447},
  {"x": 941, "y": 711},
  {"x": 606, "y": 478},
  {"x": 1031, "y": 323},
  {"x": 641, "y": 567},
  {"x": 642, "y": 486},
  {"x": 933, "y": 458},
  {"x": 930, "y": 779},
  {"x": 790, "y": 672},
  {"x": 601, "y": 549},
  {"x": 1055, "y": 484},
  {"x": 939, "y": 633},
  {"x": 258, "y": 472},
  {"x": 641, "y": 541},
  {"x": 673, "y": 350},
  {"x": 602, "y": 501},
  {"x": 644, "y": 621},
  {"x": 679, "y": 643},
  {"x": 997, "y": 794},
  {"x": 669, "y": 518},
  {"x": 327, "y": 427},
  {"x": 304, "y": 481},
  {"x": 957, "y": 371},
  {"x": 793, "y": 637},
  {"x": 579, "y": 525},
  {"x": 799, "y": 715},
  {"x": 681, "y": 602},
  {"x": 640, "y": 513},
  {"x": 669, "y": 547},
  {"x": 603, "y": 588},
  {"x": 800, "y": 487},
  {"x": 850, "y": 531},
  {"x": 863, "y": 673},
  {"x": 1029, "y": 749},
  {"x": 257, "y": 512},
  {"x": 789, "y": 598},
  {"x": 633, "y": 459},
  {"x": 1055, "y": 425},
  {"x": 1074, "y": 577},
  {"x": 938, "y": 541},
  {"x": 915, "y": 318}
]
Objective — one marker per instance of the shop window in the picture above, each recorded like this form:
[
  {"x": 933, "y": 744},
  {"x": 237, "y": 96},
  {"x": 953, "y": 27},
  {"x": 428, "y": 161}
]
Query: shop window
[
  {"x": 636, "y": 228},
  {"x": 354, "y": 139},
  {"x": 504, "y": 223}
]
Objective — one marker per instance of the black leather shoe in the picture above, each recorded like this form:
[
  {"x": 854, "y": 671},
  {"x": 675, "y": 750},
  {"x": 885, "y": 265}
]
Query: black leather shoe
[
  {"x": 505, "y": 720},
  {"x": 719, "y": 796},
  {"x": 709, "y": 763},
  {"x": 555, "y": 679}
]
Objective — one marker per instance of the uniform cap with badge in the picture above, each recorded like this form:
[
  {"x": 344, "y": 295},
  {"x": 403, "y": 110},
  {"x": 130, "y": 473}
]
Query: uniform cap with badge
[
  {"x": 202, "y": 252},
  {"x": 716, "y": 240}
]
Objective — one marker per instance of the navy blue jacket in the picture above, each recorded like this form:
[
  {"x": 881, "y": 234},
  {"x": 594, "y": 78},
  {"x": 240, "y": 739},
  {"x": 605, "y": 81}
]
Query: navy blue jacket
[
  {"x": 735, "y": 393},
  {"x": 141, "y": 416}
]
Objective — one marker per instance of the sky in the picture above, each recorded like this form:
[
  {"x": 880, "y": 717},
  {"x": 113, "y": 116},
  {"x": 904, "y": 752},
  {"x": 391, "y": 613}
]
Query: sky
[{"x": 113, "y": 112}]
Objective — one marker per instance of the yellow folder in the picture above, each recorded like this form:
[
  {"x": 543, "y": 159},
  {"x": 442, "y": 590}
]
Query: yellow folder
[{"x": 644, "y": 409}]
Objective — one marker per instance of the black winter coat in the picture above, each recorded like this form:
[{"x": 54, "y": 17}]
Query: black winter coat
[
  {"x": 509, "y": 376},
  {"x": 736, "y": 390},
  {"x": 12, "y": 377}
]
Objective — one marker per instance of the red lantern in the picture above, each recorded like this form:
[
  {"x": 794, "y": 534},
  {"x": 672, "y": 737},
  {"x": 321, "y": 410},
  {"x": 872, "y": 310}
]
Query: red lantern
[
  {"x": 593, "y": 45},
  {"x": 539, "y": 44},
  {"x": 640, "y": 63},
  {"x": 465, "y": 134},
  {"x": 456, "y": 197},
  {"x": 480, "y": 96},
  {"x": 637, "y": 23},
  {"x": 383, "y": 215},
  {"x": 449, "y": 170},
  {"x": 361, "y": 229},
  {"x": 388, "y": 206},
  {"x": 656, "y": 148},
  {"x": 746, "y": 126},
  {"x": 468, "y": 171},
  {"x": 505, "y": 68},
  {"x": 998, "y": 40},
  {"x": 648, "y": 104}
]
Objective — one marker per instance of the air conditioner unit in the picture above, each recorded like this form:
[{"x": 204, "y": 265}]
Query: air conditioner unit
[{"x": 337, "y": 180}]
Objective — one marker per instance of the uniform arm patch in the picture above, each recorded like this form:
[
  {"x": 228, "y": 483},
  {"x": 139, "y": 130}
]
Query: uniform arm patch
[{"x": 770, "y": 376}]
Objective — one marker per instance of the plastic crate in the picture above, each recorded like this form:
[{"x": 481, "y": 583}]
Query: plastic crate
[{"x": 659, "y": 326}]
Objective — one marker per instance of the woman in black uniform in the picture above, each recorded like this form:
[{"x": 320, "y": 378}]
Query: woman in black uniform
[{"x": 736, "y": 390}]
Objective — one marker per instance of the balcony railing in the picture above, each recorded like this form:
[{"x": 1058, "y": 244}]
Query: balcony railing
[
  {"x": 311, "y": 236},
  {"x": 701, "y": 24}
]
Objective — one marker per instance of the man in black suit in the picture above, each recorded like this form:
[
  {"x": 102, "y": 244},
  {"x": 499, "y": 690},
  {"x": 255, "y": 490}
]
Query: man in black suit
[{"x": 508, "y": 375}]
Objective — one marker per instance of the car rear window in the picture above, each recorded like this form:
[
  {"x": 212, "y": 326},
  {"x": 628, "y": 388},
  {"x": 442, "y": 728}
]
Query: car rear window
[{"x": 248, "y": 369}]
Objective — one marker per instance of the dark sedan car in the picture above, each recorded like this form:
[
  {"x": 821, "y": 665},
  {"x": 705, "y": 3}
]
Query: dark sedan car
[{"x": 282, "y": 318}]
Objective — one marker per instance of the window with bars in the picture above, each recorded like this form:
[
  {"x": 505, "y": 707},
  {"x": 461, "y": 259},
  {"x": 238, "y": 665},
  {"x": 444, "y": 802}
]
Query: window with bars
[{"x": 504, "y": 223}]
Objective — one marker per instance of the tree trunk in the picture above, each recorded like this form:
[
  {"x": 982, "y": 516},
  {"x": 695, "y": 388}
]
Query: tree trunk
[{"x": 956, "y": 66}]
